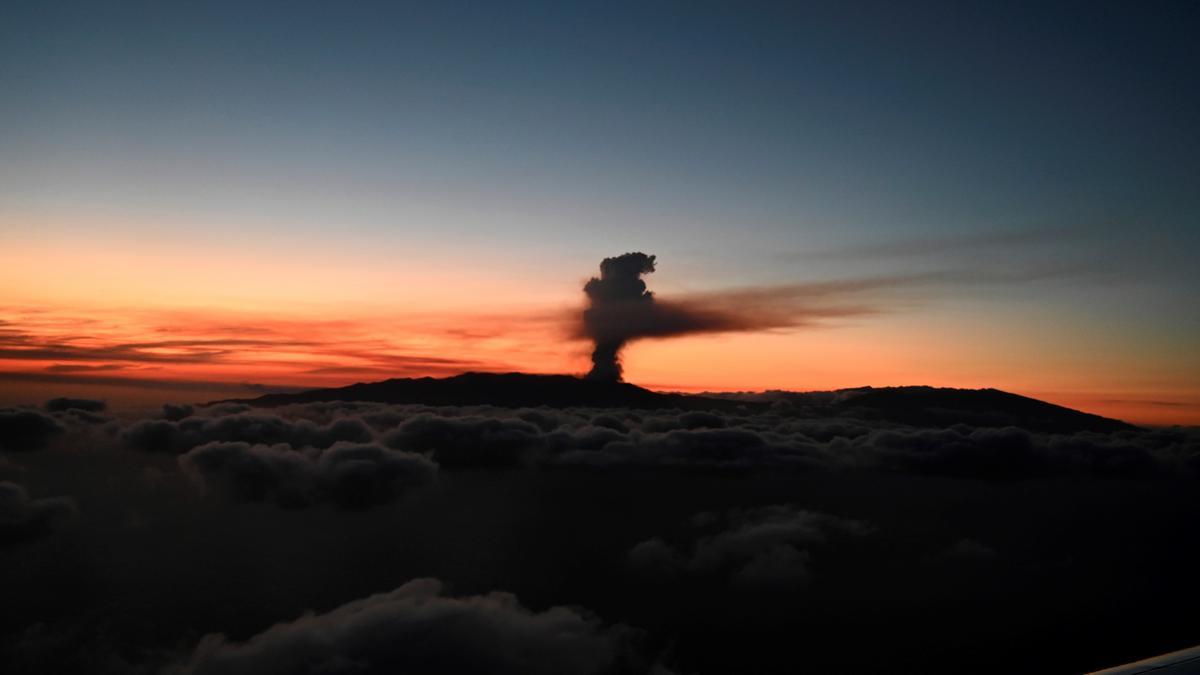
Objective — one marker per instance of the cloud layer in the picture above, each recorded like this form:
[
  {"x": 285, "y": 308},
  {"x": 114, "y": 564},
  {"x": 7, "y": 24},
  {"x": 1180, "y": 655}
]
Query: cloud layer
[
  {"x": 350, "y": 475},
  {"x": 418, "y": 629},
  {"x": 772, "y": 537},
  {"x": 24, "y": 519},
  {"x": 765, "y": 548}
]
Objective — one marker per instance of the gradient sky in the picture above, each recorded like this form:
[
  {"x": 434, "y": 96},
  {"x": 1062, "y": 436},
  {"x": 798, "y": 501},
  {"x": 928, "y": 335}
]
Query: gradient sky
[{"x": 196, "y": 197}]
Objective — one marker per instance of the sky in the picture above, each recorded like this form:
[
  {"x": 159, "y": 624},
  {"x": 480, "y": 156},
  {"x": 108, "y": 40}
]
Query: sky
[{"x": 200, "y": 200}]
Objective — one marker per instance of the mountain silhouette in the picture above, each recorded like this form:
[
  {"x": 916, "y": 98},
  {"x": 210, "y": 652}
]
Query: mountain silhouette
[
  {"x": 915, "y": 406},
  {"x": 941, "y": 407},
  {"x": 510, "y": 390}
]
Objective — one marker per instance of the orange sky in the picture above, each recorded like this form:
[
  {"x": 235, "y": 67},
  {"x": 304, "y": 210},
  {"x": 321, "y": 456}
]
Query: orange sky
[
  {"x": 328, "y": 204},
  {"x": 196, "y": 320},
  {"x": 58, "y": 350}
]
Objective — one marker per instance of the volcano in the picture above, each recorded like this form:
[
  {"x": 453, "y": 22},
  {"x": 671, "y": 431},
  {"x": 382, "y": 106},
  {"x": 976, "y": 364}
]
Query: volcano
[{"x": 919, "y": 406}]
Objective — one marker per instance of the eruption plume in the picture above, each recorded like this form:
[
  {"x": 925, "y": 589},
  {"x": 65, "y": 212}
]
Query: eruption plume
[
  {"x": 614, "y": 297},
  {"x": 620, "y": 308}
]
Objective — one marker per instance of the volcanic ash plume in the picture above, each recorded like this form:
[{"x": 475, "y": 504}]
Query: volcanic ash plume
[
  {"x": 614, "y": 297},
  {"x": 620, "y": 309}
]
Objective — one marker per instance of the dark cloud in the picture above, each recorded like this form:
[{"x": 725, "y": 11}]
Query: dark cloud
[
  {"x": 1011, "y": 453},
  {"x": 228, "y": 408},
  {"x": 733, "y": 448},
  {"x": 84, "y": 404},
  {"x": 472, "y": 440},
  {"x": 351, "y": 476},
  {"x": 780, "y": 437},
  {"x": 164, "y": 435},
  {"x": 762, "y": 548},
  {"x": 24, "y": 519},
  {"x": 785, "y": 437},
  {"x": 742, "y": 442},
  {"x": 76, "y": 415},
  {"x": 24, "y": 429},
  {"x": 979, "y": 536},
  {"x": 53, "y": 649},
  {"x": 610, "y": 422},
  {"x": 418, "y": 629},
  {"x": 176, "y": 412}
]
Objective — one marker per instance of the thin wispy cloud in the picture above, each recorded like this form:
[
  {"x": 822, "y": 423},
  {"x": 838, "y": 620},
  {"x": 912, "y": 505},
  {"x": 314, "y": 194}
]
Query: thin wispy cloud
[{"x": 948, "y": 243}]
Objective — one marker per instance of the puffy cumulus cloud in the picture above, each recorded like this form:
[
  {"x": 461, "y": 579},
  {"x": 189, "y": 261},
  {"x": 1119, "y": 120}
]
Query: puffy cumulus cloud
[
  {"x": 583, "y": 438},
  {"x": 85, "y": 404},
  {"x": 788, "y": 438},
  {"x": 597, "y": 511},
  {"x": 961, "y": 451},
  {"x": 689, "y": 420},
  {"x": 760, "y": 548},
  {"x": 324, "y": 412},
  {"x": 1012, "y": 453},
  {"x": 793, "y": 439},
  {"x": 418, "y": 629},
  {"x": 226, "y": 408},
  {"x": 742, "y": 441},
  {"x": 74, "y": 416},
  {"x": 23, "y": 429},
  {"x": 24, "y": 519},
  {"x": 176, "y": 412},
  {"x": 610, "y": 422},
  {"x": 164, "y": 435},
  {"x": 347, "y": 474},
  {"x": 728, "y": 448},
  {"x": 471, "y": 440},
  {"x": 656, "y": 555},
  {"x": 362, "y": 475}
]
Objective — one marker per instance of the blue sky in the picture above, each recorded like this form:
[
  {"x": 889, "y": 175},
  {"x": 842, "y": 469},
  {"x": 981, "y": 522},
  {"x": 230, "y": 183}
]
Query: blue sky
[{"x": 744, "y": 144}]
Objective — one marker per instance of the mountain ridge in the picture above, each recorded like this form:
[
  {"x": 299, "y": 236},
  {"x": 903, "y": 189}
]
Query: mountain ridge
[{"x": 918, "y": 405}]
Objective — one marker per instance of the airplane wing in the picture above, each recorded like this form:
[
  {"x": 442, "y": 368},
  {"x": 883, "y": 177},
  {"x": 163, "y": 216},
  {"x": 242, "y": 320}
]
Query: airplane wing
[{"x": 1182, "y": 662}]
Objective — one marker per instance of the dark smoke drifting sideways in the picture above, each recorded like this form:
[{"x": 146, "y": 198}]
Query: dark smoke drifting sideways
[{"x": 620, "y": 309}]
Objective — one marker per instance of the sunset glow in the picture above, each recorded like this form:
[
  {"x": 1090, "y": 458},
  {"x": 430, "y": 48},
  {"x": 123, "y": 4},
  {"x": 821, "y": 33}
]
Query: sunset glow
[
  {"x": 599, "y": 338},
  {"x": 317, "y": 231}
]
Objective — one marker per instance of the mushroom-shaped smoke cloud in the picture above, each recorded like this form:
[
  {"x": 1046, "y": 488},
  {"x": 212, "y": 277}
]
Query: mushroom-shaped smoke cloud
[
  {"x": 614, "y": 297},
  {"x": 620, "y": 309}
]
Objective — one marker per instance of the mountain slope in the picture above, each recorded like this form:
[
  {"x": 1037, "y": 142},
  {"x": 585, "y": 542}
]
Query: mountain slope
[
  {"x": 513, "y": 390},
  {"x": 940, "y": 407},
  {"x": 914, "y": 406}
]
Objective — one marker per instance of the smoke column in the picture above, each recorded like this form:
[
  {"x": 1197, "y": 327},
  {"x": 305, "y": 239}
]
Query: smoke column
[
  {"x": 618, "y": 292},
  {"x": 620, "y": 309}
]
